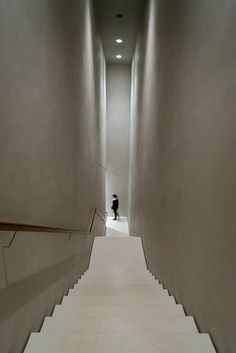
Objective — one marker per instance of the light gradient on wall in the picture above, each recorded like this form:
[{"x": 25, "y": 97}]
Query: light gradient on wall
[
  {"x": 118, "y": 131},
  {"x": 182, "y": 164}
]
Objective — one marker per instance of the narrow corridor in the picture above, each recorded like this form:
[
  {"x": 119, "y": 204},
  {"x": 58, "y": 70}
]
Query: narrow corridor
[
  {"x": 118, "y": 307},
  {"x": 133, "y": 98}
]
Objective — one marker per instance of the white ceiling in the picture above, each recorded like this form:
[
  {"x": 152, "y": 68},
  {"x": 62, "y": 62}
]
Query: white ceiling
[{"x": 112, "y": 27}]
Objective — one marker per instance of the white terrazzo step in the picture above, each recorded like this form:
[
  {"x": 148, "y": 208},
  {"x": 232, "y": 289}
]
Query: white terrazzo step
[
  {"x": 116, "y": 282},
  {"x": 117, "y": 277},
  {"x": 115, "y": 285},
  {"x": 114, "y": 310},
  {"x": 117, "y": 252},
  {"x": 119, "y": 324},
  {"x": 117, "y": 343},
  {"x": 117, "y": 291},
  {"x": 119, "y": 300},
  {"x": 121, "y": 267},
  {"x": 118, "y": 271}
]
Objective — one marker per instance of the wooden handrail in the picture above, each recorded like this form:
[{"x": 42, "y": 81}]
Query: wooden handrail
[{"x": 20, "y": 227}]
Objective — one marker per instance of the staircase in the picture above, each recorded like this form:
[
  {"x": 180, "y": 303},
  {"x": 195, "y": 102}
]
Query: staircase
[{"x": 118, "y": 307}]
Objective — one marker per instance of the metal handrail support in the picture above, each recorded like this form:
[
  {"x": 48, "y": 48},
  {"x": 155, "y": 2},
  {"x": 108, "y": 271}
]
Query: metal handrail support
[{"x": 18, "y": 227}]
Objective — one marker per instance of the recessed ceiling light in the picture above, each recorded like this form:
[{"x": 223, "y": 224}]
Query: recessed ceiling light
[
  {"x": 119, "y": 40},
  {"x": 119, "y": 56}
]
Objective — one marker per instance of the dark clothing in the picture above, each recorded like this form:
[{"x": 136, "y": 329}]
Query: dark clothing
[{"x": 115, "y": 204}]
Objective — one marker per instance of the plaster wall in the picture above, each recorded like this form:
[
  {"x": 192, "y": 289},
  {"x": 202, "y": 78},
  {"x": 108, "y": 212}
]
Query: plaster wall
[
  {"x": 182, "y": 164},
  {"x": 52, "y": 154},
  {"x": 118, "y": 130}
]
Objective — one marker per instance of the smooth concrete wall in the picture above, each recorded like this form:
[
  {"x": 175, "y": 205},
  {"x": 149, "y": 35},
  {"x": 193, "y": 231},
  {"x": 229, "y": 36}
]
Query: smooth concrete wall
[
  {"x": 118, "y": 130},
  {"x": 52, "y": 154},
  {"x": 182, "y": 165},
  {"x": 52, "y": 113}
]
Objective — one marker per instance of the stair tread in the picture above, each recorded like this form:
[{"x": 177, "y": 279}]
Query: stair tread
[
  {"x": 118, "y": 270},
  {"x": 124, "y": 282},
  {"x": 117, "y": 343},
  {"x": 106, "y": 291},
  {"x": 117, "y": 277},
  {"x": 118, "y": 252},
  {"x": 119, "y": 324},
  {"x": 117, "y": 285},
  {"x": 118, "y": 300},
  {"x": 109, "y": 310}
]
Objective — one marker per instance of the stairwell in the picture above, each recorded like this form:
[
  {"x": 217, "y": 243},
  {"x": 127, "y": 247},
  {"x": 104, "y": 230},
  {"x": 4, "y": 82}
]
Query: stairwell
[{"x": 118, "y": 307}]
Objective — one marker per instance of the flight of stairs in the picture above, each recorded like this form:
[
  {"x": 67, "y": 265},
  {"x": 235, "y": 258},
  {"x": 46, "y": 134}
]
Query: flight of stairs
[{"x": 118, "y": 307}]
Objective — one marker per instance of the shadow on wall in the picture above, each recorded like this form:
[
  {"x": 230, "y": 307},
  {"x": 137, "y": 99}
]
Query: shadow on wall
[
  {"x": 36, "y": 271},
  {"x": 52, "y": 105}
]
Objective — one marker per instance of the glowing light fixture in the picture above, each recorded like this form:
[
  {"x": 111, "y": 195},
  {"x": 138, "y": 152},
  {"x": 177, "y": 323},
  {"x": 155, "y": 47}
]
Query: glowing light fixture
[
  {"x": 119, "y": 56},
  {"x": 119, "y": 40}
]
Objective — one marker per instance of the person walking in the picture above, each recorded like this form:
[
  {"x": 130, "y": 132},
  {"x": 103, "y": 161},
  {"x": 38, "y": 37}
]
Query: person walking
[{"x": 115, "y": 206}]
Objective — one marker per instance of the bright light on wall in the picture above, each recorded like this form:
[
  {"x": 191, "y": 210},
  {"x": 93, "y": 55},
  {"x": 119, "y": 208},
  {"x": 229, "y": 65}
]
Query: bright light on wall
[
  {"x": 119, "y": 40},
  {"x": 119, "y": 56}
]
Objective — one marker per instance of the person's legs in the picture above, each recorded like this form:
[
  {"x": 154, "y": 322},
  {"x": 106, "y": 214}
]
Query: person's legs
[{"x": 115, "y": 214}]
